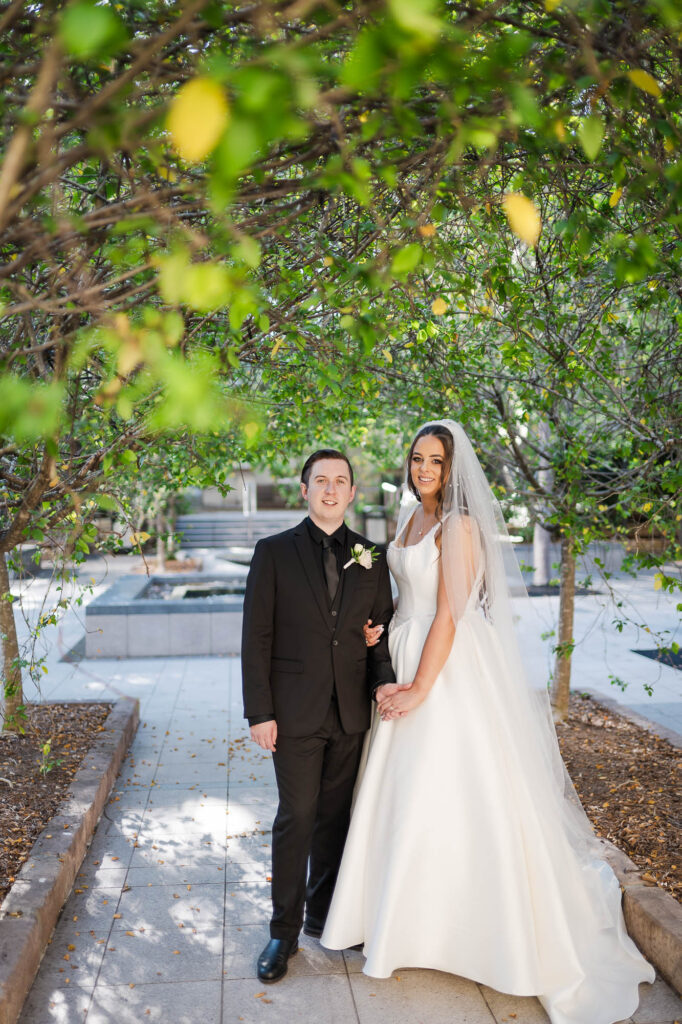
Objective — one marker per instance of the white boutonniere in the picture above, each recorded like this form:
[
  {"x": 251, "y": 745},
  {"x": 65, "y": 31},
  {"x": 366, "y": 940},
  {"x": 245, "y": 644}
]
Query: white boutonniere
[{"x": 363, "y": 556}]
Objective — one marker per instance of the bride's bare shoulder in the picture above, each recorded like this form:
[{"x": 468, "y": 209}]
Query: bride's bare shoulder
[{"x": 460, "y": 520}]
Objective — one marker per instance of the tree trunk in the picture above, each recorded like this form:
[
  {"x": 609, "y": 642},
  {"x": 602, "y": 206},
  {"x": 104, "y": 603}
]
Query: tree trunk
[
  {"x": 542, "y": 556},
  {"x": 11, "y": 668},
  {"x": 160, "y": 545},
  {"x": 562, "y": 669},
  {"x": 170, "y": 523}
]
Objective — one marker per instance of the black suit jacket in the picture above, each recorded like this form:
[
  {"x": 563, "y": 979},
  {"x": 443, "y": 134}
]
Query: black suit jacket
[{"x": 296, "y": 649}]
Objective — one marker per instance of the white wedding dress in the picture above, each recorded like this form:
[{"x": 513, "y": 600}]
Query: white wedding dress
[{"x": 449, "y": 864}]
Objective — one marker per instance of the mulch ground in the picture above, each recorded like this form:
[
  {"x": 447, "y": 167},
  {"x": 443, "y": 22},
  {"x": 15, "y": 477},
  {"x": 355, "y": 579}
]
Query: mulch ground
[
  {"x": 628, "y": 779},
  {"x": 630, "y": 784},
  {"x": 29, "y": 797}
]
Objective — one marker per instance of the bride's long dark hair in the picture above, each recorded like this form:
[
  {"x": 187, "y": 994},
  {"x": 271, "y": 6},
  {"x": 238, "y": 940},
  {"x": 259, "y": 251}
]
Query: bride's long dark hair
[{"x": 445, "y": 438}]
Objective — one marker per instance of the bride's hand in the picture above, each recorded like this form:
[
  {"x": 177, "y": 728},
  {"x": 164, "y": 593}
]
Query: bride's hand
[
  {"x": 383, "y": 692},
  {"x": 398, "y": 704},
  {"x": 372, "y": 633}
]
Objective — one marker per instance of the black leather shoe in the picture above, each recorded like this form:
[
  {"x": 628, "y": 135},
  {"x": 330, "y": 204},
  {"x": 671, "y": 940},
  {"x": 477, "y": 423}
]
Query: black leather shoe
[
  {"x": 273, "y": 961},
  {"x": 312, "y": 927}
]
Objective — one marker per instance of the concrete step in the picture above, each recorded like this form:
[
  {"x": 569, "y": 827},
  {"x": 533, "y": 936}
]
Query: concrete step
[{"x": 230, "y": 529}]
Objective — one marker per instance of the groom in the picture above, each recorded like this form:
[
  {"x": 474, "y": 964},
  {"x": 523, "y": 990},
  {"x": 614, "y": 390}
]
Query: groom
[{"x": 308, "y": 679}]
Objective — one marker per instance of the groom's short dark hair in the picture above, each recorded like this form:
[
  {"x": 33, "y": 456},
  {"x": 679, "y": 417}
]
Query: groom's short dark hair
[{"x": 324, "y": 453}]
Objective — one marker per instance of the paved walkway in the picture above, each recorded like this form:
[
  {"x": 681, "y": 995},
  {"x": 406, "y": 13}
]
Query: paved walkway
[
  {"x": 172, "y": 902},
  {"x": 605, "y": 659}
]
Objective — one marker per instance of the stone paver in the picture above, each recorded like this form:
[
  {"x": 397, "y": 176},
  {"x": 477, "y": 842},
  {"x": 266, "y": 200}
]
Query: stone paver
[{"x": 172, "y": 902}]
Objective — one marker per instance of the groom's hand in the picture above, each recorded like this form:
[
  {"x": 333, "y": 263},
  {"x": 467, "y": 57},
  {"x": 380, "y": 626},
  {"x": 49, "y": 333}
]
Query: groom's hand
[
  {"x": 384, "y": 691},
  {"x": 265, "y": 734}
]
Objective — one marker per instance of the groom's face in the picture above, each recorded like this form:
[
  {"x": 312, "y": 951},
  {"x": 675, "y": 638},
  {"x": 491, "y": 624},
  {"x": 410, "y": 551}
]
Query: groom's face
[{"x": 328, "y": 493}]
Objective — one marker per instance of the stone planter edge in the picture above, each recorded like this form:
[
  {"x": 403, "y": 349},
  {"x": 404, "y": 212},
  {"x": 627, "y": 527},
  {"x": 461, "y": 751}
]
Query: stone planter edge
[{"x": 31, "y": 909}]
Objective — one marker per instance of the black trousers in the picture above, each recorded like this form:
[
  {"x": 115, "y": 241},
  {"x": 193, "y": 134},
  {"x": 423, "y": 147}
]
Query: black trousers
[{"x": 315, "y": 779}]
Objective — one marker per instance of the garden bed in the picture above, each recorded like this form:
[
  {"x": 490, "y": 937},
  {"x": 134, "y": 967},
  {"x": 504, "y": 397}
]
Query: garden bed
[
  {"x": 630, "y": 784},
  {"x": 29, "y": 797}
]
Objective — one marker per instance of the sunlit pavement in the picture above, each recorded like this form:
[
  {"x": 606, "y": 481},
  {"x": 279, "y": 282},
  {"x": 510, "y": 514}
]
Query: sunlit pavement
[{"x": 171, "y": 905}]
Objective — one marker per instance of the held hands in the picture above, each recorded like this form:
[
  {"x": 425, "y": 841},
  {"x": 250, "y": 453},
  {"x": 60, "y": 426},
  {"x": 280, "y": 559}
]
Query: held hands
[
  {"x": 395, "y": 701},
  {"x": 265, "y": 735},
  {"x": 372, "y": 633}
]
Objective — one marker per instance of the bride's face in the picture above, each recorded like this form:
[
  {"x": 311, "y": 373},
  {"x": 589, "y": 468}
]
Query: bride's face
[{"x": 426, "y": 466}]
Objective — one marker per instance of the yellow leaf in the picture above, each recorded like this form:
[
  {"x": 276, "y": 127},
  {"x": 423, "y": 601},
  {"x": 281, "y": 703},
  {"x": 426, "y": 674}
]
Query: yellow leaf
[
  {"x": 551, "y": 5},
  {"x": 108, "y": 391},
  {"x": 658, "y": 581},
  {"x": 438, "y": 306},
  {"x": 643, "y": 80},
  {"x": 523, "y": 217},
  {"x": 197, "y": 118},
  {"x": 614, "y": 198},
  {"x": 559, "y": 130},
  {"x": 129, "y": 356},
  {"x": 327, "y": 261},
  {"x": 668, "y": 145},
  {"x": 387, "y": 355}
]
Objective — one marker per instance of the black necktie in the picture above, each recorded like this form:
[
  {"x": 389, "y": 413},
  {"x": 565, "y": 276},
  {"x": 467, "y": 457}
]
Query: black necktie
[{"x": 331, "y": 569}]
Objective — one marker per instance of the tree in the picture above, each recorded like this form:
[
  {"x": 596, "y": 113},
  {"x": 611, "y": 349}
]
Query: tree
[
  {"x": 555, "y": 359},
  {"x": 201, "y": 202}
]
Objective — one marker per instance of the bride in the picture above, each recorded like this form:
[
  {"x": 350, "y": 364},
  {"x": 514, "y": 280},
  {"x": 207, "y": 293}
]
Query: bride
[{"x": 468, "y": 850}]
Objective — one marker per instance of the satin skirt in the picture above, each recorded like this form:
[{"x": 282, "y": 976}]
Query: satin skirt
[{"x": 450, "y": 865}]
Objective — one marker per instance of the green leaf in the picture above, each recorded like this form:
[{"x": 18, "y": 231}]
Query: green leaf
[
  {"x": 365, "y": 61},
  {"x": 591, "y": 134},
  {"x": 243, "y": 303},
  {"x": 240, "y": 145},
  {"x": 29, "y": 411},
  {"x": 89, "y": 30},
  {"x": 172, "y": 274},
  {"x": 248, "y": 250},
  {"x": 207, "y": 286},
  {"x": 417, "y": 17},
  {"x": 407, "y": 259},
  {"x": 106, "y": 502}
]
